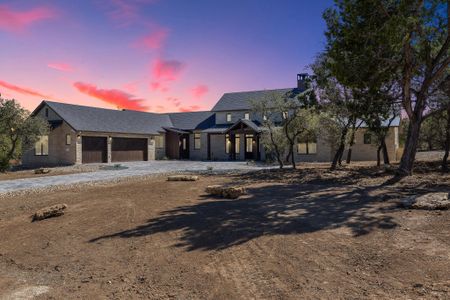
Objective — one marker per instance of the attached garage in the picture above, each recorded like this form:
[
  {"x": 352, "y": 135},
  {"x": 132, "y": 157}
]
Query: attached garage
[
  {"x": 128, "y": 149},
  {"x": 94, "y": 149}
]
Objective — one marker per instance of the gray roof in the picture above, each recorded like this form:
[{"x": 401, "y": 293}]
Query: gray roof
[
  {"x": 192, "y": 120},
  {"x": 243, "y": 100},
  {"x": 85, "y": 118}
]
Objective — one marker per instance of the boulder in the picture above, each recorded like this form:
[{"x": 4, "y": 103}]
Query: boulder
[
  {"x": 49, "y": 212},
  {"x": 182, "y": 178},
  {"x": 230, "y": 192},
  {"x": 430, "y": 201},
  {"x": 41, "y": 171}
]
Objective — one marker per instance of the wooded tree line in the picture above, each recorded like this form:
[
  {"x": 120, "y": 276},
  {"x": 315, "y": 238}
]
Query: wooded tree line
[{"x": 384, "y": 59}]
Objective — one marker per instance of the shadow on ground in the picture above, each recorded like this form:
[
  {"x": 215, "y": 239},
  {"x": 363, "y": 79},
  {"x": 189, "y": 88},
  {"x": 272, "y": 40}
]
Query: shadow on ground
[{"x": 272, "y": 209}]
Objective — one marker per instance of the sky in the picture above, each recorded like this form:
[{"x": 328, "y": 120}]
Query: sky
[{"x": 154, "y": 55}]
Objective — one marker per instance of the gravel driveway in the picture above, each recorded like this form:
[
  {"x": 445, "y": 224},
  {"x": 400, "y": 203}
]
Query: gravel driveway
[{"x": 132, "y": 169}]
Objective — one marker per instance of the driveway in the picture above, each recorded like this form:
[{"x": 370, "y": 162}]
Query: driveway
[{"x": 132, "y": 169}]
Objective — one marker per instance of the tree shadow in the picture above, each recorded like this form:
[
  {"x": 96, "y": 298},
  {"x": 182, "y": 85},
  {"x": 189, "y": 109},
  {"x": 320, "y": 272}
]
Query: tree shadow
[{"x": 272, "y": 209}]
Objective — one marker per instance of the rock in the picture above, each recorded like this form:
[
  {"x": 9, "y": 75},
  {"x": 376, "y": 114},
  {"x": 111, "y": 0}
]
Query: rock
[
  {"x": 431, "y": 201},
  {"x": 49, "y": 212},
  {"x": 229, "y": 192},
  {"x": 41, "y": 171},
  {"x": 182, "y": 178}
]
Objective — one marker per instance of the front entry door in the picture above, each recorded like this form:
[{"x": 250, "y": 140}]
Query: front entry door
[
  {"x": 249, "y": 146},
  {"x": 184, "y": 146}
]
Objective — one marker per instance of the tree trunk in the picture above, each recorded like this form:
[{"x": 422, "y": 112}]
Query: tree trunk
[
  {"x": 378, "y": 156},
  {"x": 385, "y": 152},
  {"x": 293, "y": 157},
  {"x": 288, "y": 156},
  {"x": 340, "y": 150},
  {"x": 352, "y": 142},
  {"x": 409, "y": 152},
  {"x": 447, "y": 143}
]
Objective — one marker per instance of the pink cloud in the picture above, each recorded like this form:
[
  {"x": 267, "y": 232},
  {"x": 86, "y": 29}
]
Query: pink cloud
[
  {"x": 154, "y": 40},
  {"x": 23, "y": 90},
  {"x": 199, "y": 91},
  {"x": 120, "y": 99},
  {"x": 16, "y": 21},
  {"x": 167, "y": 70},
  {"x": 125, "y": 12},
  {"x": 131, "y": 87},
  {"x": 63, "y": 67},
  {"x": 190, "y": 108},
  {"x": 175, "y": 101}
]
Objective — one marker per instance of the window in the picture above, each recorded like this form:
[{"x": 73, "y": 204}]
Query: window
[
  {"x": 285, "y": 114},
  {"x": 159, "y": 141},
  {"x": 247, "y": 116},
  {"x": 68, "y": 139},
  {"x": 184, "y": 143},
  {"x": 41, "y": 146},
  {"x": 237, "y": 142},
  {"x": 249, "y": 143},
  {"x": 367, "y": 138},
  {"x": 46, "y": 112},
  {"x": 197, "y": 141},
  {"x": 307, "y": 146},
  {"x": 264, "y": 117},
  {"x": 228, "y": 117},
  {"x": 227, "y": 143}
]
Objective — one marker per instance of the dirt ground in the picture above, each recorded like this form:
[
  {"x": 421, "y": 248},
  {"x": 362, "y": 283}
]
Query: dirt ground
[
  {"x": 19, "y": 174},
  {"x": 303, "y": 234}
]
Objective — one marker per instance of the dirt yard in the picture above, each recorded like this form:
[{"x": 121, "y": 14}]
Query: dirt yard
[
  {"x": 19, "y": 174},
  {"x": 305, "y": 234}
]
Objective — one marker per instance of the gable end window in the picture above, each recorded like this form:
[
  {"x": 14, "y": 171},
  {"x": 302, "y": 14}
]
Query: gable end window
[
  {"x": 68, "y": 139},
  {"x": 247, "y": 116},
  {"x": 46, "y": 112},
  {"x": 307, "y": 146},
  {"x": 367, "y": 138},
  {"x": 228, "y": 117},
  {"x": 41, "y": 146},
  {"x": 197, "y": 141}
]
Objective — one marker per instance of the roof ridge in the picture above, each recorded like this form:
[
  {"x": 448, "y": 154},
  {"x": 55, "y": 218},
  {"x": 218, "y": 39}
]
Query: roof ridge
[{"x": 265, "y": 90}]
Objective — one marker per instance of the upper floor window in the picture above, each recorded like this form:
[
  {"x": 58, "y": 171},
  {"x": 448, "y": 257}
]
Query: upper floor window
[
  {"x": 197, "y": 140},
  {"x": 367, "y": 138},
  {"x": 41, "y": 146},
  {"x": 307, "y": 145},
  {"x": 247, "y": 116},
  {"x": 159, "y": 141},
  {"x": 228, "y": 117}
]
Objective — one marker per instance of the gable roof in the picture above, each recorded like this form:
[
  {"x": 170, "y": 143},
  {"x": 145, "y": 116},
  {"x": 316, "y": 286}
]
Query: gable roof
[
  {"x": 86, "y": 118},
  {"x": 192, "y": 120},
  {"x": 243, "y": 100}
]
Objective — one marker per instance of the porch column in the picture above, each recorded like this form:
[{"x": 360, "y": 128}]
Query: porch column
[
  {"x": 78, "y": 150},
  {"x": 108, "y": 149}
]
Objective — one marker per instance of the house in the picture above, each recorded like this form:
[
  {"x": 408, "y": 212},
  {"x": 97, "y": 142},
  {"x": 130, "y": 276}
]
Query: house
[{"x": 230, "y": 131}]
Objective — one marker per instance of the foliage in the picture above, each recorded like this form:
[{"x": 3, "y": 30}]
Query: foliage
[
  {"x": 399, "y": 49},
  {"x": 18, "y": 131}
]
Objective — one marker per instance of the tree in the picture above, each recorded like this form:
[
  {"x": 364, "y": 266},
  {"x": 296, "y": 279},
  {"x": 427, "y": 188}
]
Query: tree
[
  {"x": 18, "y": 131},
  {"x": 374, "y": 43},
  {"x": 273, "y": 138},
  {"x": 339, "y": 103}
]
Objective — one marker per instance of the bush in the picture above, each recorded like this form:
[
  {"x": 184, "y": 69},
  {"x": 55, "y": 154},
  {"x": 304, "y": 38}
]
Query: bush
[{"x": 4, "y": 164}]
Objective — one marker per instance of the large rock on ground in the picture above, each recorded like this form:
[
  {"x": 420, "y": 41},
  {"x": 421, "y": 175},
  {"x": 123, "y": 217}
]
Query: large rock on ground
[
  {"x": 230, "y": 192},
  {"x": 182, "y": 178},
  {"x": 49, "y": 212},
  {"x": 41, "y": 171},
  {"x": 431, "y": 201}
]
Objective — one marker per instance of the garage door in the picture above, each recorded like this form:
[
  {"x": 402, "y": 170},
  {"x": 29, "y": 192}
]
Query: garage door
[
  {"x": 128, "y": 149},
  {"x": 94, "y": 149}
]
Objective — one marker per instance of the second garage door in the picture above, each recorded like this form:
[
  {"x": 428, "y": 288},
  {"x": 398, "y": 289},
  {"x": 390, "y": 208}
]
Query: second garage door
[{"x": 128, "y": 149}]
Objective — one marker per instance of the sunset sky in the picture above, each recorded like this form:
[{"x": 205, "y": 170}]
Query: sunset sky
[{"x": 153, "y": 55}]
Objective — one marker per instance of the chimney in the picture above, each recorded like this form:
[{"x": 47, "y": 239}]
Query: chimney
[{"x": 301, "y": 81}]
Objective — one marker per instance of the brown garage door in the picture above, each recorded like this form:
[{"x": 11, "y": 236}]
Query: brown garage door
[
  {"x": 128, "y": 149},
  {"x": 94, "y": 149}
]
